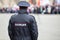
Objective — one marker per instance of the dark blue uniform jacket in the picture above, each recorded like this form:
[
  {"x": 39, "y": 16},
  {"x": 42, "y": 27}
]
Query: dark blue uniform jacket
[{"x": 22, "y": 27}]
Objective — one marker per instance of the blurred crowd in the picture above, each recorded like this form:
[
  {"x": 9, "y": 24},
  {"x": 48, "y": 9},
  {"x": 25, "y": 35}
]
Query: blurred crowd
[
  {"x": 35, "y": 10},
  {"x": 47, "y": 9},
  {"x": 8, "y": 10}
]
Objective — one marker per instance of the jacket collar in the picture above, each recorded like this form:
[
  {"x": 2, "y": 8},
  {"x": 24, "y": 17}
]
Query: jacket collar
[{"x": 23, "y": 11}]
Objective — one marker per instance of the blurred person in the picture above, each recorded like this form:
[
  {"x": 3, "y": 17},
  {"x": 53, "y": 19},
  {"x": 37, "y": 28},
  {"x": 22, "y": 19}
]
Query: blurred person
[
  {"x": 0, "y": 10},
  {"x": 58, "y": 6},
  {"x": 35, "y": 9},
  {"x": 39, "y": 10},
  {"x": 43, "y": 9},
  {"x": 9, "y": 9},
  {"x": 4, "y": 10},
  {"x": 47, "y": 9},
  {"x": 54, "y": 7},
  {"x": 57, "y": 10},
  {"x": 15, "y": 8},
  {"x": 22, "y": 26},
  {"x": 31, "y": 8}
]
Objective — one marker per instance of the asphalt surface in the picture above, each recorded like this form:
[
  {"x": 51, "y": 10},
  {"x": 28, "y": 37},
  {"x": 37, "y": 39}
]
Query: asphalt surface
[{"x": 48, "y": 26}]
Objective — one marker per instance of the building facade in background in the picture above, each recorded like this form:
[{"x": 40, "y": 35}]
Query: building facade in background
[{"x": 10, "y": 3}]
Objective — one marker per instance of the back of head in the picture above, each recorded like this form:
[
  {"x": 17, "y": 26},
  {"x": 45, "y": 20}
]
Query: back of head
[{"x": 23, "y": 4}]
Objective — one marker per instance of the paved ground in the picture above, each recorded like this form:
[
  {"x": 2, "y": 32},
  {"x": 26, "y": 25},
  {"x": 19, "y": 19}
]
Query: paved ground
[{"x": 48, "y": 26}]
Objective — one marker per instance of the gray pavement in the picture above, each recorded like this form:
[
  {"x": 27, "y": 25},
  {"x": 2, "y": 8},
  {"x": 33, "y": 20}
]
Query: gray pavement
[{"x": 48, "y": 26}]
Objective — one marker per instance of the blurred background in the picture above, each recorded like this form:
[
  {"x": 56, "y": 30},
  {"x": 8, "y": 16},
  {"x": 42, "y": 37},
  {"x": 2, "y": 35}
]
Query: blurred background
[{"x": 36, "y": 6}]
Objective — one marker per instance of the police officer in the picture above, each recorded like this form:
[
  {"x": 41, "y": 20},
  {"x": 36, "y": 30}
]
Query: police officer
[{"x": 22, "y": 26}]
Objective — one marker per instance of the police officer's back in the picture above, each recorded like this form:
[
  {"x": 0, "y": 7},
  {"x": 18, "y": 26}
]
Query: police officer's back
[{"x": 22, "y": 26}]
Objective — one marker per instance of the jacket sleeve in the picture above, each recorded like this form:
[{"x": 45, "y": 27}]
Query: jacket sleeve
[
  {"x": 10, "y": 30},
  {"x": 33, "y": 29}
]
